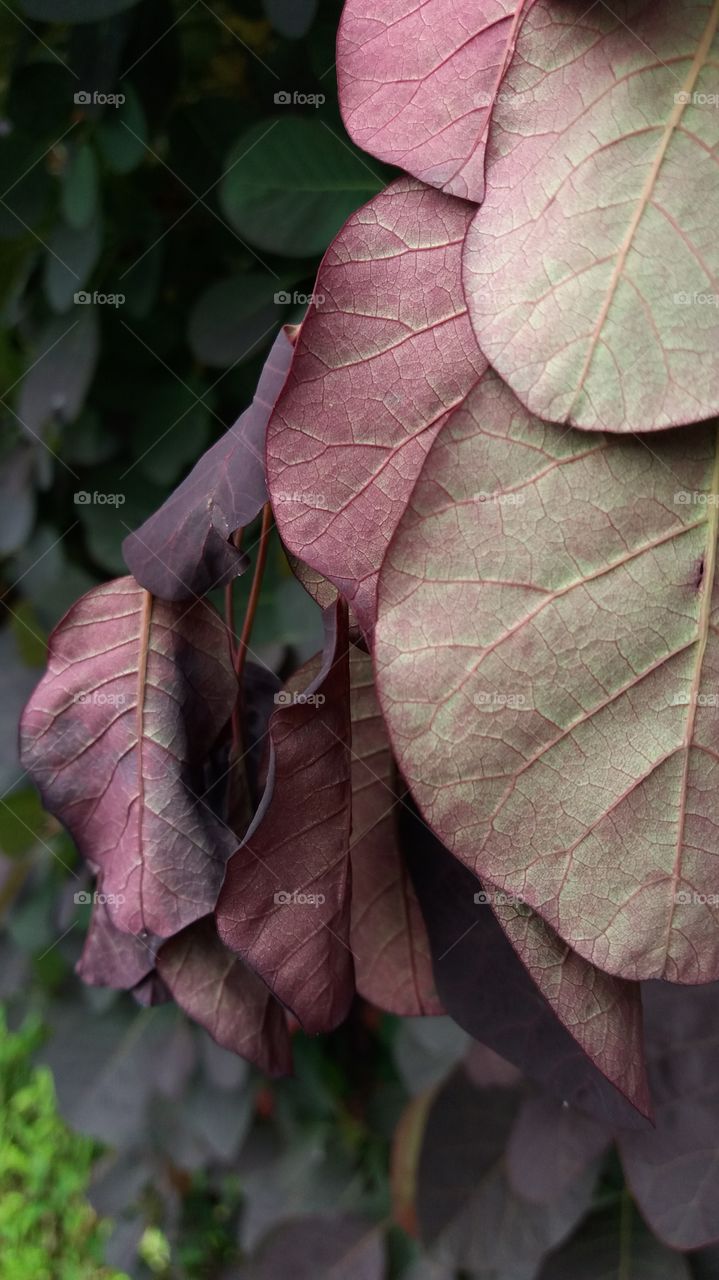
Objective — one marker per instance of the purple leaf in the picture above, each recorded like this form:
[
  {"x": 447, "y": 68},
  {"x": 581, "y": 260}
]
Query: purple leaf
[
  {"x": 115, "y": 736},
  {"x": 567, "y": 1026},
  {"x": 612, "y": 1244},
  {"x": 113, "y": 958},
  {"x": 385, "y": 353},
  {"x": 418, "y": 83},
  {"x": 673, "y": 1171},
  {"x": 318, "y": 1248},
  {"x": 184, "y": 549},
  {"x": 550, "y": 1145},
  {"x": 217, "y": 990},
  {"x": 285, "y": 903}
]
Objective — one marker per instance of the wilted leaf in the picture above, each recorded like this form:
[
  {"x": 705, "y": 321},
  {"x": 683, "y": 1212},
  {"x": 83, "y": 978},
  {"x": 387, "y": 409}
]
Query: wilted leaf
[
  {"x": 591, "y": 267},
  {"x": 285, "y": 903},
  {"x": 393, "y": 966},
  {"x": 115, "y": 736},
  {"x": 468, "y": 1210},
  {"x": 673, "y": 1170},
  {"x": 217, "y": 990},
  {"x": 184, "y": 549},
  {"x": 418, "y": 83},
  {"x": 548, "y": 665},
  {"x": 291, "y": 182},
  {"x": 563, "y": 1023},
  {"x": 612, "y": 1244},
  {"x": 385, "y": 353}
]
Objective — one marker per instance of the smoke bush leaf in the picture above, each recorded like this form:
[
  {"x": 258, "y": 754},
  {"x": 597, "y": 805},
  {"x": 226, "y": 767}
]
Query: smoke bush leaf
[
  {"x": 550, "y": 1145},
  {"x": 183, "y": 550},
  {"x": 673, "y": 1170},
  {"x": 115, "y": 736},
  {"x": 385, "y": 353},
  {"x": 389, "y": 940},
  {"x": 548, "y": 666},
  {"x": 113, "y": 958},
  {"x": 418, "y": 83},
  {"x": 615, "y": 1243},
  {"x": 591, "y": 267},
  {"x": 217, "y": 990},
  {"x": 510, "y": 983},
  {"x": 284, "y": 906}
]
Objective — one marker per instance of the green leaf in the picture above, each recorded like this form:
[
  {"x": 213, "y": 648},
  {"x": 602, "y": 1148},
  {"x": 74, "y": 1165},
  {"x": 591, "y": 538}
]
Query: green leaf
[
  {"x": 292, "y": 182},
  {"x": 71, "y": 260},
  {"x": 171, "y": 430},
  {"x": 232, "y": 318},
  {"x": 122, "y": 133},
  {"x": 80, "y": 187}
]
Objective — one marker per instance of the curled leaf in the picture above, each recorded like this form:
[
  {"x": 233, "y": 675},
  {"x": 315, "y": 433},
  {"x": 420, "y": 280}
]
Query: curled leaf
[{"x": 115, "y": 736}]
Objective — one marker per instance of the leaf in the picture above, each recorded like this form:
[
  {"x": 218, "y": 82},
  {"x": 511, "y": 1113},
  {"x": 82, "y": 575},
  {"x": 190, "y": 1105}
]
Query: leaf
[
  {"x": 115, "y": 736},
  {"x": 285, "y": 903},
  {"x": 389, "y": 941},
  {"x": 613, "y": 1244},
  {"x": 226, "y": 998},
  {"x": 70, "y": 262},
  {"x": 550, "y": 1145},
  {"x": 112, "y": 958},
  {"x": 74, "y": 10},
  {"x": 233, "y": 318},
  {"x": 672, "y": 1170},
  {"x": 17, "y": 499},
  {"x": 122, "y": 133},
  {"x": 575, "y": 1031},
  {"x": 290, "y": 183},
  {"x": 320, "y": 1248},
  {"x": 385, "y": 353},
  {"x": 183, "y": 550},
  {"x": 547, "y": 665},
  {"x": 426, "y": 1050},
  {"x": 467, "y": 1208},
  {"x": 418, "y": 83},
  {"x": 591, "y": 266},
  {"x": 63, "y": 361},
  {"x": 291, "y": 18},
  {"x": 80, "y": 184}
]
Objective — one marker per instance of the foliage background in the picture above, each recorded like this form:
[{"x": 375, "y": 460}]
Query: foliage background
[{"x": 198, "y": 200}]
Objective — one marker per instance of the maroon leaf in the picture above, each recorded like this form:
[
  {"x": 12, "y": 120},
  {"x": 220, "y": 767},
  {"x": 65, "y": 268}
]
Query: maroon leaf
[
  {"x": 547, "y": 662},
  {"x": 468, "y": 1209},
  {"x": 184, "y": 549},
  {"x": 285, "y": 903},
  {"x": 418, "y": 83},
  {"x": 113, "y": 958},
  {"x": 386, "y": 351},
  {"x": 550, "y": 1145},
  {"x": 591, "y": 267},
  {"x": 315, "y": 1248},
  {"x": 115, "y": 736},
  {"x": 568, "y": 1026},
  {"x": 673, "y": 1171},
  {"x": 217, "y": 990},
  {"x": 393, "y": 965}
]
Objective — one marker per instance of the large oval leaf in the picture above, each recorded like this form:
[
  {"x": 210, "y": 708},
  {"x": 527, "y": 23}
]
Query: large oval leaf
[
  {"x": 549, "y": 668},
  {"x": 116, "y": 735},
  {"x": 386, "y": 351},
  {"x": 418, "y": 83},
  {"x": 592, "y": 266}
]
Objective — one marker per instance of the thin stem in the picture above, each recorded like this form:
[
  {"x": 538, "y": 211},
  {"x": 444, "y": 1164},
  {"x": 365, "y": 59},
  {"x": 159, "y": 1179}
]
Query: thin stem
[
  {"x": 230, "y": 623},
  {"x": 261, "y": 561}
]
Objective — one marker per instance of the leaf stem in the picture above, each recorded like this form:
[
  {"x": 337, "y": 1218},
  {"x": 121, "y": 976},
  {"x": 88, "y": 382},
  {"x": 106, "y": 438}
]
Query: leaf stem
[{"x": 261, "y": 561}]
